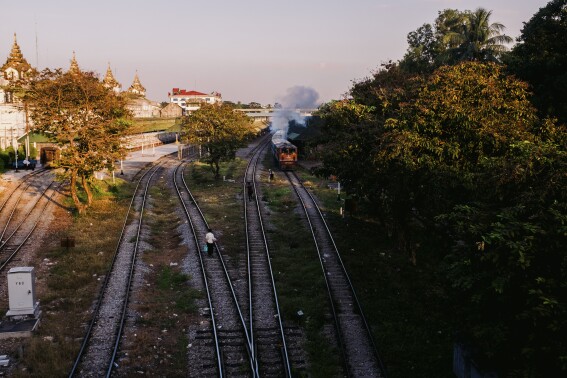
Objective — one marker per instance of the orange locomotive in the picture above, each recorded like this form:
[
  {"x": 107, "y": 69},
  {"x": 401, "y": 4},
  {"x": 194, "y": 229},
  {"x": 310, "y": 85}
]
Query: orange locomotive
[{"x": 284, "y": 152}]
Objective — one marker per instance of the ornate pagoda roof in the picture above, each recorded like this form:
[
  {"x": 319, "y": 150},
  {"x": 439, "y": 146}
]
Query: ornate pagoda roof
[
  {"x": 136, "y": 86},
  {"x": 109, "y": 80},
  {"x": 16, "y": 59},
  {"x": 74, "y": 68}
]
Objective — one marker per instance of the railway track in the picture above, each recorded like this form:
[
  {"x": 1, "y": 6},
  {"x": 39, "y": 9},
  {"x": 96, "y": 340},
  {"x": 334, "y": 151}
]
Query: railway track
[
  {"x": 359, "y": 352},
  {"x": 101, "y": 342},
  {"x": 265, "y": 319},
  {"x": 21, "y": 213},
  {"x": 19, "y": 198},
  {"x": 222, "y": 345}
]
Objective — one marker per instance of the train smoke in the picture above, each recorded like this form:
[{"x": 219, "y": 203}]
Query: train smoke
[{"x": 298, "y": 97}]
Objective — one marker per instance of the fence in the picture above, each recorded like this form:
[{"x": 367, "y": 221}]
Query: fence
[{"x": 139, "y": 141}]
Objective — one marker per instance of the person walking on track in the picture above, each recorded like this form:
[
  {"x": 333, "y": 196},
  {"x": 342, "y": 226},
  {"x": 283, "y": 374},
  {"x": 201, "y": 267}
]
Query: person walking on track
[
  {"x": 210, "y": 239},
  {"x": 249, "y": 190}
]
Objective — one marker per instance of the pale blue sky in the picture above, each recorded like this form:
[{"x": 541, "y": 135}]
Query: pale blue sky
[{"x": 249, "y": 50}]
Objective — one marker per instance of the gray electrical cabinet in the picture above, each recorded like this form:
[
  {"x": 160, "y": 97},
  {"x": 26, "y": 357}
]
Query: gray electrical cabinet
[{"x": 21, "y": 292}]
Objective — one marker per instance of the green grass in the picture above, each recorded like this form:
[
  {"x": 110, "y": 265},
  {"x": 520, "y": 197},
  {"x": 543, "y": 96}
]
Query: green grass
[{"x": 145, "y": 125}]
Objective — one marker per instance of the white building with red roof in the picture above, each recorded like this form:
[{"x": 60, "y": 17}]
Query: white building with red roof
[{"x": 192, "y": 100}]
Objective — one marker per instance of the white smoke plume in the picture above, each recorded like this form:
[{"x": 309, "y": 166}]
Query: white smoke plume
[{"x": 298, "y": 97}]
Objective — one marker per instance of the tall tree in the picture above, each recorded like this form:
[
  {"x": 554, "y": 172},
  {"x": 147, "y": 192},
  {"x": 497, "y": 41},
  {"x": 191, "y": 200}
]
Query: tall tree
[
  {"x": 462, "y": 155},
  {"x": 477, "y": 38},
  {"x": 540, "y": 58},
  {"x": 84, "y": 118},
  {"x": 454, "y": 37},
  {"x": 427, "y": 44},
  {"x": 219, "y": 130}
]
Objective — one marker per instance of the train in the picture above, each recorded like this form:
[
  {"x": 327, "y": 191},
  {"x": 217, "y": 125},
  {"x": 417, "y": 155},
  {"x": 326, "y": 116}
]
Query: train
[{"x": 283, "y": 151}]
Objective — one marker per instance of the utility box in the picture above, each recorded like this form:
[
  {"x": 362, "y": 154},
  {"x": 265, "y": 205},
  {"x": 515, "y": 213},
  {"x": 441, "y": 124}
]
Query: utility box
[{"x": 21, "y": 292}]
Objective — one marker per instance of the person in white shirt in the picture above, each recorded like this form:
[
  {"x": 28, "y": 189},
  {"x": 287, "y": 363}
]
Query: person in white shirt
[{"x": 210, "y": 239}]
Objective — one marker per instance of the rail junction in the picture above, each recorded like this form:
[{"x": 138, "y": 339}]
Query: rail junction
[{"x": 243, "y": 333}]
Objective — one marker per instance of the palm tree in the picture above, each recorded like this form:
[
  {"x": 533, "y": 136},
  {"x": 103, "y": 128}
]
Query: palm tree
[{"x": 477, "y": 39}]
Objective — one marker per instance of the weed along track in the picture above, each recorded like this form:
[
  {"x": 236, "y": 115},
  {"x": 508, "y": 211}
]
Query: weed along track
[
  {"x": 221, "y": 345},
  {"x": 101, "y": 342},
  {"x": 358, "y": 350}
]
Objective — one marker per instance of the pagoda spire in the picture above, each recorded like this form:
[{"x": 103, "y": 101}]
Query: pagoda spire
[
  {"x": 110, "y": 82},
  {"x": 136, "y": 86},
  {"x": 16, "y": 62},
  {"x": 74, "y": 68}
]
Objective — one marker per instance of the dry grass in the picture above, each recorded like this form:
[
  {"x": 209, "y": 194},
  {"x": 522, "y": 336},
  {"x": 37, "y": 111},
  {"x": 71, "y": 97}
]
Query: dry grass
[
  {"x": 156, "y": 344},
  {"x": 69, "y": 280}
]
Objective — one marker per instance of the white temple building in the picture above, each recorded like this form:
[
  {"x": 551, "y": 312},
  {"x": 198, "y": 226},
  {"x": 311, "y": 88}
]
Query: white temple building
[{"x": 13, "y": 120}]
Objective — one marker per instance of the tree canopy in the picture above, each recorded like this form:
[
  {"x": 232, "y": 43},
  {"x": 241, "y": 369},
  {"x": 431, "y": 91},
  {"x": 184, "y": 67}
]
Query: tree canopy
[
  {"x": 454, "y": 37},
  {"x": 448, "y": 152},
  {"x": 219, "y": 130},
  {"x": 540, "y": 58},
  {"x": 460, "y": 157},
  {"x": 84, "y": 118},
  {"x": 477, "y": 39}
]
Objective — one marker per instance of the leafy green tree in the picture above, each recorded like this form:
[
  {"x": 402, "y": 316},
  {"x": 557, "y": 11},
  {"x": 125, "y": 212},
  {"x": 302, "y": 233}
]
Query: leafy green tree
[
  {"x": 454, "y": 37},
  {"x": 347, "y": 137},
  {"x": 352, "y": 128},
  {"x": 507, "y": 272},
  {"x": 84, "y": 118},
  {"x": 460, "y": 157},
  {"x": 433, "y": 148},
  {"x": 477, "y": 38},
  {"x": 540, "y": 58},
  {"x": 427, "y": 45},
  {"x": 488, "y": 177},
  {"x": 219, "y": 130},
  {"x": 418, "y": 147}
]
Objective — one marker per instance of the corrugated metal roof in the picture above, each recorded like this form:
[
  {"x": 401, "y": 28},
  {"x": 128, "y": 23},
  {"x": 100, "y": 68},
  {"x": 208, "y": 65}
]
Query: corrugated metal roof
[{"x": 292, "y": 136}]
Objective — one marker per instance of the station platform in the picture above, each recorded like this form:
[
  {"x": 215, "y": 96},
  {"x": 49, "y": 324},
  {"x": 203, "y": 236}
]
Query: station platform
[{"x": 137, "y": 160}]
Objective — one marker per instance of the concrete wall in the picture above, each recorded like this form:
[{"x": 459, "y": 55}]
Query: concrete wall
[{"x": 12, "y": 124}]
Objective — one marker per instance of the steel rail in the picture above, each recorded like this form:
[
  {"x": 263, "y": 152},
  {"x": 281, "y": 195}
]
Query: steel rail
[
  {"x": 351, "y": 286},
  {"x": 131, "y": 274},
  {"x": 205, "y": 281},
  {"x": 104, "y": 286},
  {"x": 25, "y": 178},
  {"x": 340, "y": 340},
  {"x": 14, "y": 208},
  {"x": 225, "y": 271},
  {"x": 263, "y": 139},
  {"x": 253, "y": 164},
  {"x": 3, "y": 265},
  {"x": 24, "y": 218},
  {"x": 13, "y": 211}
]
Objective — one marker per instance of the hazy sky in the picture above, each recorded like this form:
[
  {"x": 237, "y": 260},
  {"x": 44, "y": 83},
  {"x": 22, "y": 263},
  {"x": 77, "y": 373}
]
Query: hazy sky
[{"x": 249, "y": 50}]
